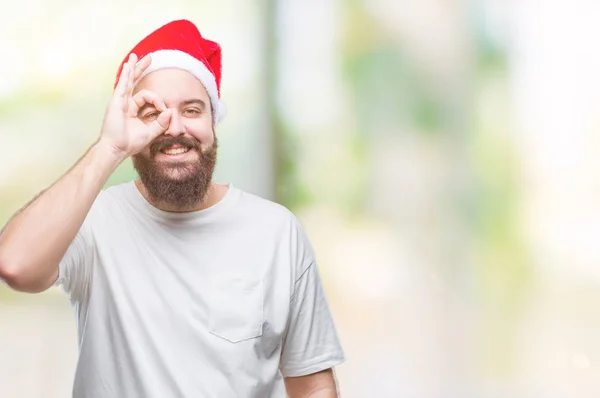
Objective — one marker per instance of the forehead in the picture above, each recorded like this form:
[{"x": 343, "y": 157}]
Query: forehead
[{"x": 173, "y": 85}]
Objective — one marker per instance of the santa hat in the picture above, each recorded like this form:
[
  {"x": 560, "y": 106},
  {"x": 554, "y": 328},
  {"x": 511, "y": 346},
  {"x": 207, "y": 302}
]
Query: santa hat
[{"x": 179, "y": 44}]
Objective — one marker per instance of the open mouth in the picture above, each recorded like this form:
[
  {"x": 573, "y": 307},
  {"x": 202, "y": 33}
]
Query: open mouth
[
  {"x": 178, "y": 150},
  {"x": 175, "y": 151}
]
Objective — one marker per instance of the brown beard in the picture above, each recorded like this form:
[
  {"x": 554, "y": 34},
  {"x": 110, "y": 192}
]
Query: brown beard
[{"x": 192, "y": 179}]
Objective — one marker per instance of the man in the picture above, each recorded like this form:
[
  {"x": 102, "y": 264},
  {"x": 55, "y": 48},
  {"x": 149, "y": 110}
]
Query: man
[{"x": 182, "y": 287}]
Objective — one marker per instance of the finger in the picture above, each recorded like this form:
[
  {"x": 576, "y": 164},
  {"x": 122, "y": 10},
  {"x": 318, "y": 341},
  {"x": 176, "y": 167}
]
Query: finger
[
  {"x": 160, "y": 124},
  {"x": 145, "y": 97},
  {"x": 130, "y": 67},
  {"x": 122, "y": 84},
  {"x": 141, "y": 66},
  {"x": 132, "y": 60}
]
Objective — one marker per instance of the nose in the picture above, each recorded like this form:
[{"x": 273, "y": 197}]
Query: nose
[{"x": 176, "y": 127}]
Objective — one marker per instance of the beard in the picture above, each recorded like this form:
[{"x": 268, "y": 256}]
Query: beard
[{"x": 181, "y": 185}]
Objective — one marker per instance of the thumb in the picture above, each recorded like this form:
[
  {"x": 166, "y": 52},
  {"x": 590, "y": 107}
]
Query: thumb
[{"x": 160, "y": 124}]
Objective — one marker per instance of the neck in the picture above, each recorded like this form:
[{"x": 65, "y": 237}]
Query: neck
[{"x": 215, "y": 193}]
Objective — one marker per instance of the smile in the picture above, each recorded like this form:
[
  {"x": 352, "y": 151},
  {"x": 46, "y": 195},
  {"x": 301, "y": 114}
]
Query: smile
[{"x": 175, "y": 150}]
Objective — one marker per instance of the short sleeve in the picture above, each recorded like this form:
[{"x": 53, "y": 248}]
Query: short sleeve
[
  {"x": 74, "y": 269},
  {"x": 311, "y": 343}
]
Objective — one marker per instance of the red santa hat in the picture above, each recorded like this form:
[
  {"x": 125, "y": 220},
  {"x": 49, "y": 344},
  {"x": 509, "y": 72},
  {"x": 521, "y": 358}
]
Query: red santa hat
[{"x": 179, "y": 44}]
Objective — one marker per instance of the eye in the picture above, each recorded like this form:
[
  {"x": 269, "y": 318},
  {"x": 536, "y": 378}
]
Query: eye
[
  {"x": 192, "y": 112},
  {"x": 151, "y": 115}
]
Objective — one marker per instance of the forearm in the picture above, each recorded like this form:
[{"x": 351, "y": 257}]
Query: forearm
[
  {"x": 317, "y": 385},
  {"x": 328, "y": 392},
  {"x": 34, "y": 241}
]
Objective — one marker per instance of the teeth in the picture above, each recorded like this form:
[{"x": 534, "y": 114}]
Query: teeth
[{"x": 175, "y": 151}]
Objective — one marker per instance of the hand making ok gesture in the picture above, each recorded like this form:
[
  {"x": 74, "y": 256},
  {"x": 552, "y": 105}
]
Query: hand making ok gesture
[{"x": 122, "y": 131}]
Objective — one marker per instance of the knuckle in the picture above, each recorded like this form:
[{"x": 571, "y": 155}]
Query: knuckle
[{"x": 149, "y": 94}]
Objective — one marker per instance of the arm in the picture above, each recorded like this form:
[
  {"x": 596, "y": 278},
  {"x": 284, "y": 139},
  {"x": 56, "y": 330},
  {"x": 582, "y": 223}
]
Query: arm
[
  {"x": 311, "y": 347},
  {"x": 35, "y": 240},
  {"x": 317, "y": 385}
]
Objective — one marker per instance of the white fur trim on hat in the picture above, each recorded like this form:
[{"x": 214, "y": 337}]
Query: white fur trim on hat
[{"x": 178, "y": 59}]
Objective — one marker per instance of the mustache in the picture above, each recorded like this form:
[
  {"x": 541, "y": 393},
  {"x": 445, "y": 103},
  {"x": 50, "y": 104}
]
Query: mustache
[{"x": 164, "y": 143}]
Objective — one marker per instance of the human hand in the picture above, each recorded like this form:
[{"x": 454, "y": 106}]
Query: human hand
[{"x": 122, "y": 131}]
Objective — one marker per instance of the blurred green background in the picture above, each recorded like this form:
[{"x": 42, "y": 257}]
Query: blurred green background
[{"x": 442, "y": 155}]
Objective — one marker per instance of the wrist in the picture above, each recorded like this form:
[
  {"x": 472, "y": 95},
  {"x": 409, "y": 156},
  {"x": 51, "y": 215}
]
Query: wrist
[{"x": 109, "y": 153}]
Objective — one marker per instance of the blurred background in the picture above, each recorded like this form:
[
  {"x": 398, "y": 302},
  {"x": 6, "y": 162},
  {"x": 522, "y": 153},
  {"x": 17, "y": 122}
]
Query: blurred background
[{"x": 443, "y": 156}]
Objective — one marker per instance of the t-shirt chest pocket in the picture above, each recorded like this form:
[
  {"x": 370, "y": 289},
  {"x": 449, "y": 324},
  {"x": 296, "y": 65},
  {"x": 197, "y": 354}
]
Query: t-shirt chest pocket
[{"x": 236, "y": 308}]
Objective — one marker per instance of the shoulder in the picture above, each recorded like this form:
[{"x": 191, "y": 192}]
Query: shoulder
[
  {"x": 269, "y": 218},
  {"x": 117, "y": 191},
  {"x": 265, "y": 209},
  {"x": 267, "y": 214},
  {"x": 110, "y": 199}
]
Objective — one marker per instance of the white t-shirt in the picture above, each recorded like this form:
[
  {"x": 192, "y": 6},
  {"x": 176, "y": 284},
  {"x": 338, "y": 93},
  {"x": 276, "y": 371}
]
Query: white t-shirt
[{"x": 221, "y": 303}]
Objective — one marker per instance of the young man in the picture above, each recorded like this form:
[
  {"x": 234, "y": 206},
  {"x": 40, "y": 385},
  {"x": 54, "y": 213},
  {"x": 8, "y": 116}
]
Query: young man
[{"x": 182, "y": 287}]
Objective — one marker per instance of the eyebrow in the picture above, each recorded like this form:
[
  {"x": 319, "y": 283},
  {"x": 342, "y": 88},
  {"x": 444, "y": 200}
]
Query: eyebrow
[
  {"x": 191, "y": 101},
  {"x": 194, "y": 101}
]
